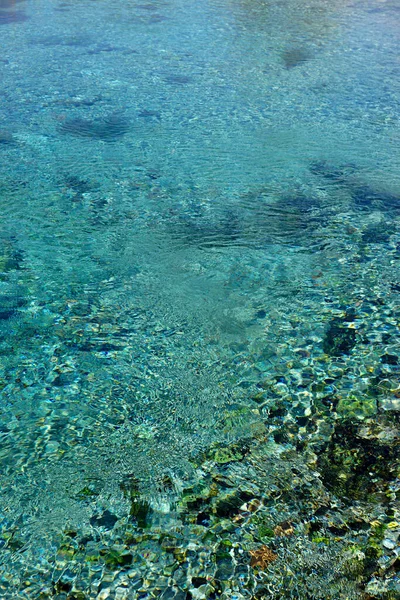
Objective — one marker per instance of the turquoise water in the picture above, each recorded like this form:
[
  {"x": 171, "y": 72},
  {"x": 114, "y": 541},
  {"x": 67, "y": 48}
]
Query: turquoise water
[{"x": 199, "y": 282}]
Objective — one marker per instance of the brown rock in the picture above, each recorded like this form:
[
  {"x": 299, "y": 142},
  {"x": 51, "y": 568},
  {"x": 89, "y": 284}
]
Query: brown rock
[{"x": 262, "y": 557}]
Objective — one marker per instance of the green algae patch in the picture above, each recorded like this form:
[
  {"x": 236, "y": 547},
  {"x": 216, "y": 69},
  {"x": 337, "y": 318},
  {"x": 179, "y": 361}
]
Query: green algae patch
[
  {"x": 340, "y": 337},
  {"x": 10, "y": 257},
  {"x": 222, "y": 454},
  {"x": 265, "y": 532},
  {"x": 226, "y": 455},
  {"x": 358, "y": 407},
  {"x": 117, "y": 558}
]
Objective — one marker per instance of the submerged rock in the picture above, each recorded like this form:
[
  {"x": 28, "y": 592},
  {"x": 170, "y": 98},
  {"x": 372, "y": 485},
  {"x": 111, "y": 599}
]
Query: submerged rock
[
  {"x": 106, "y": 520},
  {"x": 140, "y": 510},
  {"x": 6, "y": 137},
  {"x": 9, "y": 305},
  {"x": 356, "y": 407},
  {"x": 340, "y": 337},
  {"x": 390, "y": 404},
  {"x": 10, "y": 256},
  {"x": 294, "y": 57},
  {"x": 107, "y": 129},
  {"x": 12, "y": 16},
  {"x": 6, "y": 4},
  {"x": 355, "y": 466},
  {"x": 365, "y": 198},
  {"x": 377, "y": 233},
  {"x": 330, "y": 172},
  {"x": 178, "y": 79}
]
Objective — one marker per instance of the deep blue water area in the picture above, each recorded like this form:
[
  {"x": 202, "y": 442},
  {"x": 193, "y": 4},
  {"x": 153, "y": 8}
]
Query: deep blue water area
[{"x": 199, "y": 299}]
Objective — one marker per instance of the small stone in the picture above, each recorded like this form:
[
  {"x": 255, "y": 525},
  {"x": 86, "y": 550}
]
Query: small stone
[
  {"x": 52, "y": 447},
  {"x": 390, "y": 404},
  {"x": 132, "y": 574},
  {"x": 386, "y": 561},
  {"x": 389, "y": 544},
  {"x": 106, "y": 520},
  {"x": 6, "y": 137},
  {"x": 281, "y": 389}
]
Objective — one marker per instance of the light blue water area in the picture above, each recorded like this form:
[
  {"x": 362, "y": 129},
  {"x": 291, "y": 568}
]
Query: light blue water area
[{"x": 197, "y": 200}]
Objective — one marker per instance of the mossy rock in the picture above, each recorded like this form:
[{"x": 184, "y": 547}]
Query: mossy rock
[
  {"x": 140, "y": 508},
  {"x": 374, "y": 549},
  {"x": 356, "y": 407},
  {"x": 225, "y": 454},
  {"x": 378, "y": 233},
  {"x": 228, "y": 504},
  {"x": 233, "y": 418},
  {"x": 197, "y": 497},
  {"x": 141, "y": 511},
  {"x": 340, "y": 337},
  {"x": 86, "y": 493},
  {"x": 10, "y": 258},
  {"x": 320, "y": 539},
  {"x": 66, "y": 552},
  {"x": 117, "y": 558},
  {"x": 92, "y": 558},
  {"x": 353, "y": 467},
  {"x": 265, "y": 532}
]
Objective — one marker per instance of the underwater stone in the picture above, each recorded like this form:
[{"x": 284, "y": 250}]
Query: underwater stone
[
  {"x": 390, "y": 359},
  {"x": 106, "y": 520},
  {"x": 115, "y": 557},
  {"x": 365, "y": 197},
  {"x": 168, "y": 594},
  {"x": 294, "y": 57},
  {"x": 339, "y": 337},
  {"x": 78, "y": 185},
  {"x": 6, "y": 137},
  {"x": 11, "y": 257},
  {"x": 178, "y": 79},
  {"x": 7, "y": 17},
  {"x": 64, "y": 379},
  {"x": 225, "y": 569},
  {"x": 389, "y": 544},
  {"x": 6, "y": 314},
  {"x": 390, "y": 404},
  {"x": 353, "y": 407},
  {"x": 107, "y": 129},
  {"x": 377, "y": 233},
  {"x": 8, "y": 3},
  {"x": 228, "y": 504},
  {"x": 9, "y": 305},
  {"x": 150, "y": 114},
  {"x": 222, "y": 455},
  {"x": 10, "y": 260},
  {"x": 328, "y": 172},
  {"x": 351, "y": 466},
  {"x": 203, "y": 519},
  {"x": 262, "y": 557},
  {"x": 140, "y": 509},
  {"x": 261, "y": 314}
]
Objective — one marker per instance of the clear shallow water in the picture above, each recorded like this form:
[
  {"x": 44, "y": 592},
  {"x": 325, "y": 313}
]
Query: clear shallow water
[{"x": 191, "y": 194}]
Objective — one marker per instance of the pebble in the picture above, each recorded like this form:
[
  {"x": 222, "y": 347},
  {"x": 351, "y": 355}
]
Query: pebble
[
  {"x": 390, "y": 404},
  {"x": 52, "y": 447}
]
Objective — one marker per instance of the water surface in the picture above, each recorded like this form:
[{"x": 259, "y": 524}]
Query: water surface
[{"x": 199, "y": 247}]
